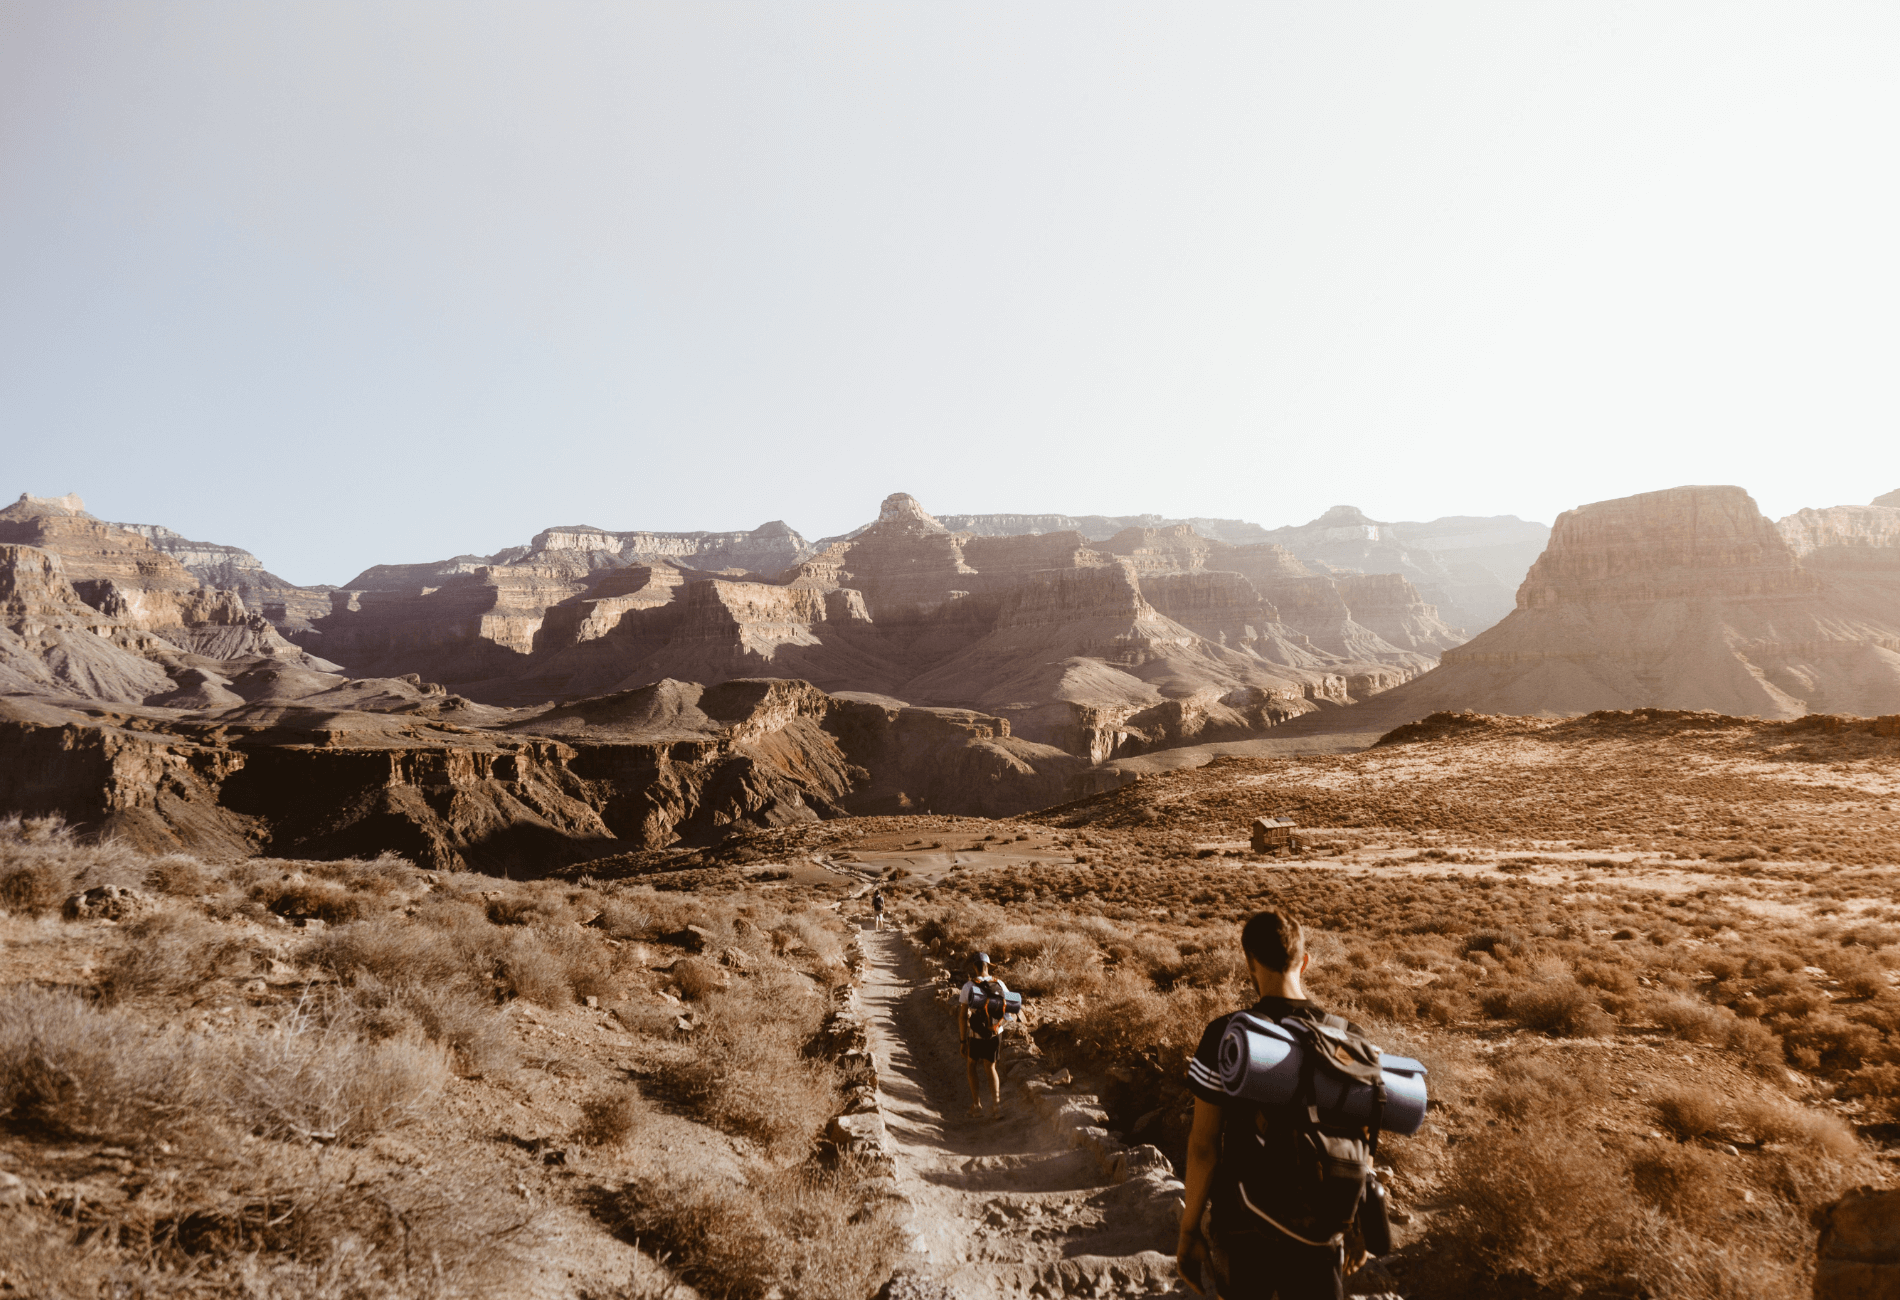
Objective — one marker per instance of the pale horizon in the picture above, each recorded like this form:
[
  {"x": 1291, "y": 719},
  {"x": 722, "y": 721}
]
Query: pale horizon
[{"x": 354, "y": 284}]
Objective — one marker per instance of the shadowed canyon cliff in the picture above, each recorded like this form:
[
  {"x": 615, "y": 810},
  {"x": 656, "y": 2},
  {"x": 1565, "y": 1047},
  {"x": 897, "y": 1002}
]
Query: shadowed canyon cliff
[{"x": 594, "y": 690}]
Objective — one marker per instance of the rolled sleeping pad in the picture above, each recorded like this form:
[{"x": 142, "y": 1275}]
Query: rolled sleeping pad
[
  {"x": 1012, "y": 1006},
  {"x": 1260, "y": 1062}
]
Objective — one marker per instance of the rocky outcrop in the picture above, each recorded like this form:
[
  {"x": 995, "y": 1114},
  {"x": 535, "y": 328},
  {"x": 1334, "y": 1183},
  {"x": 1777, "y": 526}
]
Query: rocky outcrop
[
  {"x": 286, "y": 606},
  {"x": 94, "y": 611},
  {"x": 1889, "y": 499},
  {"x": 1685, "y": 599},
  {"x": 117, "y": 572},
  {"x": 51, "y": 640},
  {"x": 1858, "y": 1254}
]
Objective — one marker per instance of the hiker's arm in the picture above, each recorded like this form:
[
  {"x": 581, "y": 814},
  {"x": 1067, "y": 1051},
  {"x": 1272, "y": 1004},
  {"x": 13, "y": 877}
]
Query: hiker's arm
[{"x": 1203, "y": 1152}]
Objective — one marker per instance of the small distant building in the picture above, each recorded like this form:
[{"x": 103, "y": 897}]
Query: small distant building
[{"x": 1273, "y": 835}]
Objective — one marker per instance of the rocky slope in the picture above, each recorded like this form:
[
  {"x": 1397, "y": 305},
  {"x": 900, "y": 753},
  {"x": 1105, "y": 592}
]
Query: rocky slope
[
  {"x": 318, "y": 765},
  {"x": 96, "y": 611},
  {"x": 1687, "y": 599}
]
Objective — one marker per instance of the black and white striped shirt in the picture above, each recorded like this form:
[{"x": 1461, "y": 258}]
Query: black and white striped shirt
[{"x": 1203, "y": 1073}]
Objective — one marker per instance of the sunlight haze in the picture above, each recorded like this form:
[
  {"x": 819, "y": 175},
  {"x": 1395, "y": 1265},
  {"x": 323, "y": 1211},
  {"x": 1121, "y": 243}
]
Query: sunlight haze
[{"x": 351, "y": 283}]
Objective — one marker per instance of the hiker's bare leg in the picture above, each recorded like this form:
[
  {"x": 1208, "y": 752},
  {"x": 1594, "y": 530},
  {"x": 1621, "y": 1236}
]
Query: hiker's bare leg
[
  {"x": 996, "y": 1087},
  {"x": 969, "y": 1067}
]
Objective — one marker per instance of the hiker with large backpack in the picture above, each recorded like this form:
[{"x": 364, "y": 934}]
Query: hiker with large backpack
[
  {"x": 982, "y": 1009},
  {"x": 1288, "y": 1106}
]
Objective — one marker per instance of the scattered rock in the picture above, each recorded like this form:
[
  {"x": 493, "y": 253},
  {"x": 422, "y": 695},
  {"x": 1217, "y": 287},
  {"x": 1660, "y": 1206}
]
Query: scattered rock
[{"x": 105, "y": 903}]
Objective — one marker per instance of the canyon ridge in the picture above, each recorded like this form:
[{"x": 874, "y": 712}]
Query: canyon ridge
[{"x": 593, "y": 691}]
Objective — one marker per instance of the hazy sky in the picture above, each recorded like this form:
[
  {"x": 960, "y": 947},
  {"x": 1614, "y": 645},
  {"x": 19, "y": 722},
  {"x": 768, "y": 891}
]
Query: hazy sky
[{"x": 348, "y": 283}]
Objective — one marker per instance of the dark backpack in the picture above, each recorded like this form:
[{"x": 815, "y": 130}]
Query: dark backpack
[
  {"x": 989, "y": 1011},
  {"x": 1302, "y": 1169}
]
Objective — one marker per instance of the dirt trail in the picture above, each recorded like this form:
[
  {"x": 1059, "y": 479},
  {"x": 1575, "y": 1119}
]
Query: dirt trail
[{"x": 1001, "y": 1208}]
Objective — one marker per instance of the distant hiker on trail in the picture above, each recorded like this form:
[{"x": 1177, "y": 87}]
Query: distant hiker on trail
[
  {"x": 877, "y": 907},
  {"x": 1284, "y": 1191},
  {"x": 980, "y": 1026}
]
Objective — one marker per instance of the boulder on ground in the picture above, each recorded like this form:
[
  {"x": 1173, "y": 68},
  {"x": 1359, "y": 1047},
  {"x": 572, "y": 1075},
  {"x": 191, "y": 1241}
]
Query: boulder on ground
[{"x": 1859, "y": 1250}]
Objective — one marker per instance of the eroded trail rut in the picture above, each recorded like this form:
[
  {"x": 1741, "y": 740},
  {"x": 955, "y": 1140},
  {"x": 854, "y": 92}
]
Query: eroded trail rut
[{"x": 1002, "y": 1208}]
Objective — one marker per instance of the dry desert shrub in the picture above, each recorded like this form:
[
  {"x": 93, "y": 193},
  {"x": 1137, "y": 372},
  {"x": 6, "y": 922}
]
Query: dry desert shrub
[
  {"x": 1684, "y": 1181},
  {"x": 624, "y": 918},
  {"x": 1777, "y": 1121},
  {"x": 1690, "y": 1019},
  {"x": 43, "y": 860},
  {"x": 804, "y": 1234},
  {"x": 278, "y": 1227},
  {"x": 308, "y": 1079},
  {"x": 168, "y": 955},
  {"x": 68, "y": 1069},
  {"x": 1544, "y": 1200},
  {"x": 612, "y": 1119},
  {"x": 1689, "y": 1112},
  {"x": 1860, "y": 972},
  {"x": 1064, "y": 962},
  {"x": 749, "y": 1072},
  {"x": 1559, "y": 1006},
  {"x": 1879, "y": 1084},
  {"x": 392, "y": 951},
  {"x": 696, "y": 978},
  {"x": 181, "y": 876},
  {"x": 1539, "y": 1087},
  {"x": 1129, "y": 1016}
]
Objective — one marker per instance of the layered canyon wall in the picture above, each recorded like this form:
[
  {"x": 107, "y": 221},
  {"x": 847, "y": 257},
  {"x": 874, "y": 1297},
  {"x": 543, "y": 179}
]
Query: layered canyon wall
[{"x": 1687, "y": 599}]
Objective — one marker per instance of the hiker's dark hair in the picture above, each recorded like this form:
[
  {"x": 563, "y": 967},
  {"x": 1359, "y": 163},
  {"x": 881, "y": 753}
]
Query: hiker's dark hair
[{"x": 1274, "y": 939}]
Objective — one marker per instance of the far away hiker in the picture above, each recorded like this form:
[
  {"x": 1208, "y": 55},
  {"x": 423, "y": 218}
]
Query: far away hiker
[
  {"x": 877, "y": 907},
  {"x": 1284, "y": 1192},
  {"x": 981, "y": 1032}
]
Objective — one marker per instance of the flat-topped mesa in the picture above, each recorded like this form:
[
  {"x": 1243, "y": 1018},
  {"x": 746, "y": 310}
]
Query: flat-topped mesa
[
  {"x": 1178, "y": 549},
  {"x": 1262, "y": 562},
  {"x": 1097, "y": 528},
  {"x": 1685, "y": 542},
  {"x": 1687, "y": 599},
  {"x": 766, "y": 549},
  {"x": 1857, "y": 539},
  {"x": 1348, "y": 523}
]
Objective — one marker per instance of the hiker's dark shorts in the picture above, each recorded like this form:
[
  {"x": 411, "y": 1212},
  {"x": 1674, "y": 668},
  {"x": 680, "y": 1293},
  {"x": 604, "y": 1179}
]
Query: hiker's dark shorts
[
  {"x": 1265, "y": 1264},
  {"x": 980, "y": 1049}
]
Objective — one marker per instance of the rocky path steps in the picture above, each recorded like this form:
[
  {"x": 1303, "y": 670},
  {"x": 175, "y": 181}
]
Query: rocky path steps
[{"x": 1042, "y": 1203}]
